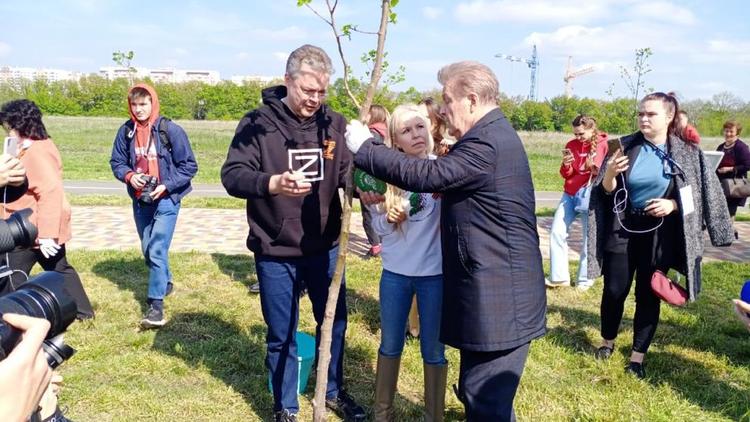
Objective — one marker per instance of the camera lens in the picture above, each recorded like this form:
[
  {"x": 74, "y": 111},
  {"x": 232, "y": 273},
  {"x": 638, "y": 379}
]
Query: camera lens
[
  {"x": 17, "y": 231},
  {"x": 42, "y": 297}
]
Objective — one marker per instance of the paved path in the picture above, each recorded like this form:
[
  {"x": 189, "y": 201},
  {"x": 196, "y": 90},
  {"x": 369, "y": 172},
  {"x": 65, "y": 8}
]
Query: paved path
[
  {"x": 224, "y": 231},
  {"x": 78, "y": 187}
]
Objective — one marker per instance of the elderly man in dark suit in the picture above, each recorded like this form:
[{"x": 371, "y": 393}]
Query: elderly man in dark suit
[{"x": 492, "y": 266}]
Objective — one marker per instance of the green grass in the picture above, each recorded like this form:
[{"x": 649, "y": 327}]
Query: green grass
[
  {"x": 208, "y": 363},
  {"x": 187, "y": 202}
]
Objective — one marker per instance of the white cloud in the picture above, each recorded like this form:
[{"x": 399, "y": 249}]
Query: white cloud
[
  {"x": 4, "y": 49},
  {"x": 280, "y": 56},
  {"x": 181, "y": 51},
  {"x": 431, "y": 13},
  {"x": 290, "y": 33},
  {"x": 532, "y": 11},
  {"x": 242, "y": 55},
  {"x": 663, "y": 11}
]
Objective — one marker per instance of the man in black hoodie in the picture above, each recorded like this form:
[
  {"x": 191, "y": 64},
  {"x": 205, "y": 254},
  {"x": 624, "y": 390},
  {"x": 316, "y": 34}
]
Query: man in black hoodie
[{"x": 288, "y": 160}]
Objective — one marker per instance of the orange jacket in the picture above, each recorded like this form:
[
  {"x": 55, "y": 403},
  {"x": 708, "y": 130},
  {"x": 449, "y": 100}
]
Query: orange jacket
[{"x": 46, "y": 197}]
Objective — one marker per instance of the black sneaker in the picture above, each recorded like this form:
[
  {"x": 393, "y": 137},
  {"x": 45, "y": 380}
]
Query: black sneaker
[
  {"x": 345, "y": 406},
  {"x": 170, "y": 287},
  {"x": 254, "y": 288},
  {"x": 636, "y": 369},
  {"x": 57, "y": 416},
  {"x": 154, "y": 318},
  {"x": 285, "y": 416},
  {"x": 604, "y": 352}
]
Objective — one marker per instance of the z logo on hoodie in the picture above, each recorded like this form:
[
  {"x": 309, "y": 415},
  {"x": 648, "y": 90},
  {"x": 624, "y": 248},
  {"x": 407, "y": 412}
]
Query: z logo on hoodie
[{"x": 329, "y": 145}]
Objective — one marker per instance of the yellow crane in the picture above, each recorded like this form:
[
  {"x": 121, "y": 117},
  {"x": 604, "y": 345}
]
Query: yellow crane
[{"x": 571, "y": 74}]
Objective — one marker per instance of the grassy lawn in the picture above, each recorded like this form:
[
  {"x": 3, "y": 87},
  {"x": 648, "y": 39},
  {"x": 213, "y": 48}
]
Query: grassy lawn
[
  {"x": 86, "y": 143},
  {"x": 208, "y": 363}
]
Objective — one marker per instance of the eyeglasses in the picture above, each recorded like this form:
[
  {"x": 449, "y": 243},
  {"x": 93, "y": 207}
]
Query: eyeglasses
[
  {"x": 670, "y": 166},
  {"x": 309, "y": 93}
]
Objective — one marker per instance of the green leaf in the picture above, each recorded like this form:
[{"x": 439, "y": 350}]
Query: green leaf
[
  {"x": 301, "y": 3},
  {"x": 392, "y": 17}
]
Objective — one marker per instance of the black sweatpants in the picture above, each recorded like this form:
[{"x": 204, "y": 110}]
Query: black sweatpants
[
  {"x": 24, "y": 260},
  {"x": 487, "y": 383}
]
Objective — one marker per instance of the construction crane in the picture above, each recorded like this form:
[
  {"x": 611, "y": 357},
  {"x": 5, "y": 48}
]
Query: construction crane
[
  {"x": 533, "y": 64},
  {"x": 571, "y": 74}
]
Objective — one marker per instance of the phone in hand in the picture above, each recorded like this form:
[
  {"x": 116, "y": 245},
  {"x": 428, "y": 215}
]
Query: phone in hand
[
  {"x": 613, "y": 145},
  {"x": 566, "y": 152},
  {"x": 10, "y": 146}
]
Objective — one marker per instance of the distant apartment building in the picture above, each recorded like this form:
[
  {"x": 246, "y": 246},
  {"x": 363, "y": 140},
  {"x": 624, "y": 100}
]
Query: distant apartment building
[
  {"x": 241, "y": 79},
  {"x": 11, "y": 74},
  {"x": 162, "y": 75}
]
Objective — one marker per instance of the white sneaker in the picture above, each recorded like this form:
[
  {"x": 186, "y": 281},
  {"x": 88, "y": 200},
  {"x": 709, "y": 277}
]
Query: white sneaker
[
  {"x": 583, "y": 286},
  {"x": 553, "y": 284}
]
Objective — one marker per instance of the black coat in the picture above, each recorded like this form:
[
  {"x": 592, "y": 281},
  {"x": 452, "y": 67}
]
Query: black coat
[{"x": 493, "y": 294}]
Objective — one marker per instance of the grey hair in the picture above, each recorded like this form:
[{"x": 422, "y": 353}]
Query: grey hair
[
  {"x": 310, "y": 55},
  {"x": 466, "y": 77}
]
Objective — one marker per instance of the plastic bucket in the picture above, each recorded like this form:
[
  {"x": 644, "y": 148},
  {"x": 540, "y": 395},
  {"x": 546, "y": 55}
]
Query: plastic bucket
[{"x": 305, "y": 359}]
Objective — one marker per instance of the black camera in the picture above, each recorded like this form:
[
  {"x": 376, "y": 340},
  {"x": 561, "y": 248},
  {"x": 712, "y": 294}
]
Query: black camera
[
  {"x": 43, "y": 296},
  {"x": 148, "y": 188}
]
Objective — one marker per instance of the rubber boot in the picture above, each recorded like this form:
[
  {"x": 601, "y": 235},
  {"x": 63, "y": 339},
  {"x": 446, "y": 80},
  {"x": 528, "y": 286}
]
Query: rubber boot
[
  {"x": 386, "y": 378},
  {"x": 435, "y": 378}
]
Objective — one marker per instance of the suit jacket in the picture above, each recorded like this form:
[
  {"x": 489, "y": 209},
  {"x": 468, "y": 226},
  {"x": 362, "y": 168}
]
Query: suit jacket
[
  {"x": 493, "y": 291},
  {"x": 710, "y": 211}
]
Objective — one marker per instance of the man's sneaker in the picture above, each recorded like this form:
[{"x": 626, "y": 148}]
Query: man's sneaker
[
  {"x": 154, "y": 318},
  {"x": 636, "y": 369},
  {"x": 553, "y": 284},
  {"x": 345, "y": 406},
  {"x": 170, "y": 288},
  {"x": 285, "y": 416},
  {"x": 254, "y": 288}
]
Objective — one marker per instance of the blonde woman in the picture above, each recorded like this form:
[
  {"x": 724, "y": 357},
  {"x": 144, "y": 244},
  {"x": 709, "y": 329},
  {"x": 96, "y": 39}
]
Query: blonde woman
[{"x": 409, "y": 226}]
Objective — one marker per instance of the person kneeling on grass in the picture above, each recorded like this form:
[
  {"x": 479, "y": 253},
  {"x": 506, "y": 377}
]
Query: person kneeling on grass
[{"x": 152, "y": 156}]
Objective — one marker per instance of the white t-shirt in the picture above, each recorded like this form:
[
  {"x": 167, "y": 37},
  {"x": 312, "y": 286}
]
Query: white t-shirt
[{"x": 412, "y": 249}]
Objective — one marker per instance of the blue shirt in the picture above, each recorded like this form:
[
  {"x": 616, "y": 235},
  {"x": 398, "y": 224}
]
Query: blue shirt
[{"x": 648, "y": 179}]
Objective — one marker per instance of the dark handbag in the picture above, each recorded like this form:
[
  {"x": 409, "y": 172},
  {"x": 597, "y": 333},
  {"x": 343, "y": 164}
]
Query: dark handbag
[
  {"x": 667, "y": 290},
  {"x": 735, "y": 187}
]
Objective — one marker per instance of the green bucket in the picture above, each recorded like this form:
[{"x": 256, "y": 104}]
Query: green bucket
[{"x": 305, "y": 359}]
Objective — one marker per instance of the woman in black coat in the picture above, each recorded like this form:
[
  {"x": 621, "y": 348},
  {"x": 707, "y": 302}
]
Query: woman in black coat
[{"x": 735, "y": 163}]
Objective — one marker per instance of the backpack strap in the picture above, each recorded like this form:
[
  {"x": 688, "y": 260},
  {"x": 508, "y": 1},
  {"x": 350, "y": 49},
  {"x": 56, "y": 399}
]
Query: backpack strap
[{"x": 164, "y": 134}]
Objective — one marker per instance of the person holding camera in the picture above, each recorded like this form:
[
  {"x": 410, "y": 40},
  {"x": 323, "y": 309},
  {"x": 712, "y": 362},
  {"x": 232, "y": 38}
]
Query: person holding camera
[
  {"x": 152, "y": 156},
  {"x": 45, "y": 197},
  {"x": 24, "y": 373}
]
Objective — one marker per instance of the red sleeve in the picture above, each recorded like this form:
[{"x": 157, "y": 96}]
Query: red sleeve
[{"x": 691, "y": 135}]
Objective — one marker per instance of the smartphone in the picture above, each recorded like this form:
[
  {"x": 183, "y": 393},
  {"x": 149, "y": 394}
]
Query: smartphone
[
  {"x": 613, "y": 145},
  {"x": 10, "y": 146},
  {"x": 566, "y": 151}
]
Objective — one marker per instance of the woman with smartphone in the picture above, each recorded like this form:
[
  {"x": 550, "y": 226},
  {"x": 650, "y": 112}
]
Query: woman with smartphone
[
  {"x": 581, "y": 159},
  {"x": 22, "y": 119},
  {"x": 652, "y": 199}
]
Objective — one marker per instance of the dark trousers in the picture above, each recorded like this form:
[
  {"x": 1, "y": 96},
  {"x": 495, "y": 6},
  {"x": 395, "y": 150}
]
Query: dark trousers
[
  {"x": 281, "y": 280},
  {"x": 24, "y": 260},
  {"x": 487, "y": 383},
  {"x": 645, "y": 254},
  {"x": 372, "y": 236}
]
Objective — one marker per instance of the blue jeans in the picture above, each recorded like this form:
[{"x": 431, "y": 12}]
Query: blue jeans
[
  {"x": 281, "y": 280},
  {"x": 396, "y": 292},
  {"x": 155, "y": 224},
  {"x": 558, "y": 241}
]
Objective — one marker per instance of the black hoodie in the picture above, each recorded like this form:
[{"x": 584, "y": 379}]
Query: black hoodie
[{"x": 284, "y": 226}]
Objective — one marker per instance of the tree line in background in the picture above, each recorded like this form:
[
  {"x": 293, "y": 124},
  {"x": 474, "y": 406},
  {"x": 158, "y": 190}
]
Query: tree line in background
[{"x": 97, "y": 96}]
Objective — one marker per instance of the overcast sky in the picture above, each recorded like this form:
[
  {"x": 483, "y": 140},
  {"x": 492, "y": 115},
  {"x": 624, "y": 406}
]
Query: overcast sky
[{"x": 700, "y": 47}]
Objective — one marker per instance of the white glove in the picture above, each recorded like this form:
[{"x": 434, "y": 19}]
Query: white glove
[
  {"x": 48, "y": 247},
  {"x": 356, "y": 135}
]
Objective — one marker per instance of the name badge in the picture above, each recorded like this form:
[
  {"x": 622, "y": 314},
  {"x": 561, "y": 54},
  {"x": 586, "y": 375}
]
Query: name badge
[{"x": 686, "y": 200}]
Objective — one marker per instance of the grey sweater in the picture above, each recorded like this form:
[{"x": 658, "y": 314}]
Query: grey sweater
[{"x": 708, "y": 201}]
